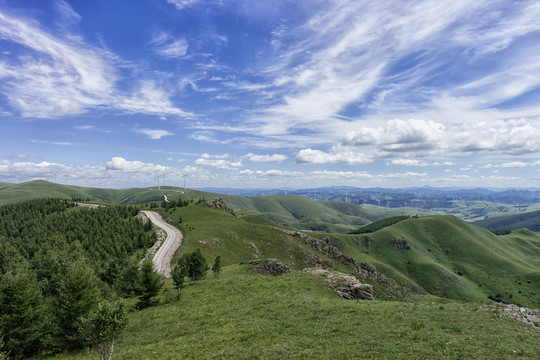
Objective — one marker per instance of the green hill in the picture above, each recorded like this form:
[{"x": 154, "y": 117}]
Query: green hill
[
  {"x": 527, "y": 220},
  {"x": 453, "y": 259},
  {"x": 242, "y": 315},
  {"x": 298, "y": 212}
]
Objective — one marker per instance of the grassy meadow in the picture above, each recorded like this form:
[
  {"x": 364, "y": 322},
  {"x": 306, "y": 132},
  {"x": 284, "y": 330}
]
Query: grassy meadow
[{"x": 242, "y": 315}]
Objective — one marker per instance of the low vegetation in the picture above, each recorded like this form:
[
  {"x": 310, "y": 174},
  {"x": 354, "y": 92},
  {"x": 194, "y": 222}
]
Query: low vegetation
[
  {"x": 381, "y": 224},
  {"x": 244, "y": 315}
]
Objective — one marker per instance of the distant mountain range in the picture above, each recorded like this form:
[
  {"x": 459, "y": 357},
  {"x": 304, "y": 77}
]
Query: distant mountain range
[{"x": 424, "y": 197}]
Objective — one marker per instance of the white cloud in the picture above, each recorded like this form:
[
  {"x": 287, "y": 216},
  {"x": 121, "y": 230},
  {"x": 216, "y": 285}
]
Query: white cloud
[
  {"x": 514, "y": 164},
  {"x": 121, "y": 164},
  {"x": 47, "y": 142},
  {"x": 218, "y": 163},
  {"x": 61, "y": 76},
  {"x": 271, "y": 173},
  {"x": 275, "y": 158},
  {"x": 153, "y": 134},
  {"x": 310, "y": 156},
  {"x": 181, "y": 4},
  {"x": 167, "y": 46},
  {"x": 408, "y": 162},
  {"x": 215, "y": 156},
  {"x": 341, "y": 174},
  {"x": 416, "y": 136}
]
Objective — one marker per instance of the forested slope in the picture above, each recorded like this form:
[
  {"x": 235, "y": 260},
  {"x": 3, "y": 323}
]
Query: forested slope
[{"x": 57, "y": 261}]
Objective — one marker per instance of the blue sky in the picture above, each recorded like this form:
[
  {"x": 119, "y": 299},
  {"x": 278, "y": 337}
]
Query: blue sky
[{"x": 242, "y": 93}]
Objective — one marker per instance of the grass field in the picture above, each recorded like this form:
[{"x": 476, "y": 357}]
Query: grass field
[
  {"x": 451, "y": 258},
  {"x": 242, "y": 315}
]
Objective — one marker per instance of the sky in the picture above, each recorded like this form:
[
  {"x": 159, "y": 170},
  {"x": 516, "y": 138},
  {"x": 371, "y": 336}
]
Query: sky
[{"x": 270, "y": 94}]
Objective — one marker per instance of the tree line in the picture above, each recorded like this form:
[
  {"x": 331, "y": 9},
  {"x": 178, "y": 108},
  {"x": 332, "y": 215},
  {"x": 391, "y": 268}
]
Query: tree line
[{"x": 62, "y": 269}]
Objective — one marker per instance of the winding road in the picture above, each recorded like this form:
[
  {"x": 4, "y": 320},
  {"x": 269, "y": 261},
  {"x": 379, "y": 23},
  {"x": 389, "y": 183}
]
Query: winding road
[{"x": 162, "y": 258}]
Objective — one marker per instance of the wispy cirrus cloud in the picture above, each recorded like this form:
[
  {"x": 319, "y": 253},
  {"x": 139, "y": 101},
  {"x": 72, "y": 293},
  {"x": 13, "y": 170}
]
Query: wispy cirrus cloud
[
  {"x": 63, "y": 75},
  {"x": 355, "y": 63},
  {"x": 168, "y": 46}
]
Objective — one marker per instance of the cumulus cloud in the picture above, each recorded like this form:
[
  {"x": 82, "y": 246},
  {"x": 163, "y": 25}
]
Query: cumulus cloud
[
  {"x": 275, "y": 158},
  {"x": 218, "y": 163},
  {"x": 399, "y": 136},
  {"x": 514, "y": 164},
  {"x": 513, "y": 137},
  {"x": 153, "y": 134},
  {"x": 121, "y": 164},
  {"x": 311, "y": 156}
]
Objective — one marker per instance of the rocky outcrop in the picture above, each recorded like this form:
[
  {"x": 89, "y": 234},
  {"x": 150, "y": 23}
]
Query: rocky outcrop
[
  {"x": 363, "y": 269},
  {"x": 268, "y": 267},
  {"x": 525, "y": 315},
  {"x": 401, "y": 244},
  {"x": 218, "y": 203},
  {"x": 346, "y": 286}
]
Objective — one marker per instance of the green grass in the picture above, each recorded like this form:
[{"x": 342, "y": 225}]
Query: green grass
[
  {"x": 529, "y": 220},
  {"x": 216, "y": 232},
  {"x": 242, "y": 315},
  {"x": 453, "y": 259}
]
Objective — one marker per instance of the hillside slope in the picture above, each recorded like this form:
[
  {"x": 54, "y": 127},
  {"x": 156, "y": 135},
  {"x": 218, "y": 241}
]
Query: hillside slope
[
  {"x": 527, "y": 220},
  {"x": 242, "y": 315},
  {"x": 448, "y": 257}
]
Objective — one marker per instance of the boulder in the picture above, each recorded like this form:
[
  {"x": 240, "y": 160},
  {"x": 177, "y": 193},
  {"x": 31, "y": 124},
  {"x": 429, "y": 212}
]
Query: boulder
[
  {"x": 269, "y": 267},
  {"x": 346, "y": 286},
  {"x": 218, "y": 203}
]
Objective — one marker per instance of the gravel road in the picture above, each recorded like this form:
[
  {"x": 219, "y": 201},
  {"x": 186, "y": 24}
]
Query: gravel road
[{"x": 162, "y": 258}]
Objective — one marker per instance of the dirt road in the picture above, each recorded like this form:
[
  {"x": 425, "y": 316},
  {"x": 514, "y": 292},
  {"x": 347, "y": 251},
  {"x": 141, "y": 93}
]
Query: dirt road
[{"x": 162, "y": 258}]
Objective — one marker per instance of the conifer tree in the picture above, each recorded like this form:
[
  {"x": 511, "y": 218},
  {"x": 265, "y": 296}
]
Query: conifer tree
[
  {"x": 150, "y": 284},
  {"x": 216, "y": 268},
  {"x": 21, "y": 315},
  {"x": 78, "y": 294}
]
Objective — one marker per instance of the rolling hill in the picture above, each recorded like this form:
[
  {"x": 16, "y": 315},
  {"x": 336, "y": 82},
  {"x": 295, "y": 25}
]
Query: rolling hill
[
  {"x": 430, "y": 275},
  {"x": 448, "y": 257},
  {"x": 527, "y": 220}
]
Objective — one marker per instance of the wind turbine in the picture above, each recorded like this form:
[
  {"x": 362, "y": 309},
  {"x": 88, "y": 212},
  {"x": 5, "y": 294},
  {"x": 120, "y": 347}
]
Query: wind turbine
[
  {"x": 185, "y": 177},
  {"x": 157, "y": 178}
]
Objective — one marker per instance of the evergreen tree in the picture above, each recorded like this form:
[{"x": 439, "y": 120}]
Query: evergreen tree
[
  {"x": 128, "y": 280},
  {"x": 150, "y": 284},
  {"x": 21, "y": 316},
  {"x": 78, "y": 294},
  {"x": 217, "y": 266}
]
